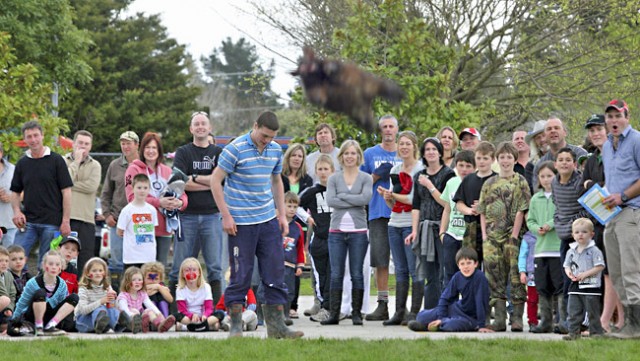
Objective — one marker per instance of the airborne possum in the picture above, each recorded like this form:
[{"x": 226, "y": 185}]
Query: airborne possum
[{"x": 344, "y": 88}]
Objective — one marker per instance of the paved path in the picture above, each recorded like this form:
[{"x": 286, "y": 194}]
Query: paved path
[{"x": 373, "y": 330}]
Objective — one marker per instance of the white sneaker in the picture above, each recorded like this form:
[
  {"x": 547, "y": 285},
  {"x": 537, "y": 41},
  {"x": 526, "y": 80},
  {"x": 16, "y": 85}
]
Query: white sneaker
[{"x": 322, "y": 315}]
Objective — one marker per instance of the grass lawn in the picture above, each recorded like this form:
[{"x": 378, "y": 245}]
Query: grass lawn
[{"x": 254, "y": 349}]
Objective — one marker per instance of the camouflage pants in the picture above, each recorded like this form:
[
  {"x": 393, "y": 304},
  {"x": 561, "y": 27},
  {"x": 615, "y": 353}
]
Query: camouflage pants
[
  {"x": 473, "y": 239},
  {"x": 501, "y": 267}
]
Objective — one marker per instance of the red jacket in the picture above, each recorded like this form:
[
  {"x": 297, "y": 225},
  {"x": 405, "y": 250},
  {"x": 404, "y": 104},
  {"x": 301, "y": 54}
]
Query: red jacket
[
  {"x": 71, "y": 279},
  {"x": 251, "y": 300}
]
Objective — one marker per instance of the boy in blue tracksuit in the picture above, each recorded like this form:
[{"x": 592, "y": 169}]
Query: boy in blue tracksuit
[{"x": 455, "y": 313}]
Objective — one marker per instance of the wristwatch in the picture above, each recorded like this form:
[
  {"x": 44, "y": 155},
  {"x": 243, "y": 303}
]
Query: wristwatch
[
  {"x": 193, "y": 178},
  {"x": 624, "y": 197}
]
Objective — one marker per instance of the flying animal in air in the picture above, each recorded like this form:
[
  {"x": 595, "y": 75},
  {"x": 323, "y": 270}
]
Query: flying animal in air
[{"x": 343, "y": 87}]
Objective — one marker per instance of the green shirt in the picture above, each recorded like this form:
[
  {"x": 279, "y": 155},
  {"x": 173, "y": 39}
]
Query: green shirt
[{"x": 456, "y": 225}]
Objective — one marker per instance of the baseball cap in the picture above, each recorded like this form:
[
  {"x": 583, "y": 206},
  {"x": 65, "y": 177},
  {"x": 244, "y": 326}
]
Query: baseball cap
[
  {"x": 538, "y": 127},
  {"x": 72, "y": 237},
  {"x": 129, "y": 135},
  {"x": 595, "y": 119},
  {"x": 619, "y": 105},
  {"x": 472, "y": 131}
]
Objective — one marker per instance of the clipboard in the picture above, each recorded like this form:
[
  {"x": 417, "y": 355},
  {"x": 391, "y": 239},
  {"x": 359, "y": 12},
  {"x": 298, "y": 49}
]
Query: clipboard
[{"x": 592, "y": 202}]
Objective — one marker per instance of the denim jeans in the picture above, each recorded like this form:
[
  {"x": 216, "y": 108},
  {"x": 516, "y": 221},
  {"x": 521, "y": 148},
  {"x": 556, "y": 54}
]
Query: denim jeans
[
  {"x": 356, "y": 245},
  {"x": 450, "y": 246},
  {"x": 404, "y": 260},
  {"x": 36, "y": 232},
  {"x": 86, "y": 323},
  {"x": 115, "y": 261},
  {"x": 7, "y": 238},
  {"x": 199, "y": 232}
]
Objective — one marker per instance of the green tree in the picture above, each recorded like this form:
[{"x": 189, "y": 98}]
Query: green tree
[
  {"x": 239, "y": 88},
  {"x": 519, "y": 60},
  {"x": 23, "y": 97},
  {"x": 43, "y": 34},
  {"x": 393, "y": 43},
  {"x": 140, "y": 79}
]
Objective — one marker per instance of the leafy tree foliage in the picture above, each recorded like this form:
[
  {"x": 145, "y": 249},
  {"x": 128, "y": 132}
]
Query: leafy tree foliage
[
  {"x": 140, "y": 78},
  {"x": 508, "y": 62},
  {"x": 22, "y": 97},
  {"x": 43, "y": 34}
]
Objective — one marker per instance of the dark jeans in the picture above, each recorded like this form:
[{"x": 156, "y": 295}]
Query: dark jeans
[
  {"x": 87, "y": 236},
  {"x": 355, "y": 244},
  {"x": 264, "y": 241},
  {"x": 322, "y": 268},
  {"x": 433, "y": 288},
  {"x": 450, "y": 246}
]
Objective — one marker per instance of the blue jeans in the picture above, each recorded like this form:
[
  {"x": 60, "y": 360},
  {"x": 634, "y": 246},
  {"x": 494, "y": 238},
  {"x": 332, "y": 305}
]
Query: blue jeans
[
  {"x": 199, "y": 232},
  {"x": 404, "y": 260},
  {"x": 7, "y": 238},
  {"x": 455, "y": 320},
  {"x": 86, "y": 323},
  {"x": 163, "y": 244},
  {"x": 450, "y": 246},
  {"x": 341, "y": 243},
  {"x": 115, "y": 261},
  {"x": 36, "y": 232}
]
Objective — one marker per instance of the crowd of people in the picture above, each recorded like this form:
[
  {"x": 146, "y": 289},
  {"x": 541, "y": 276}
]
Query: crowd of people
[{"x": 475, "y": 231}]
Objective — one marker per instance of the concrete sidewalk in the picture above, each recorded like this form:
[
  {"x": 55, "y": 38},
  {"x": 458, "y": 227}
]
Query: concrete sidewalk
[{"x": 371, "y": 330}]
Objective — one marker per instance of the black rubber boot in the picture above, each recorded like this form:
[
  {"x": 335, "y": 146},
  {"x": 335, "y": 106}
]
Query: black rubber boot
[
  {"x": 216, "y": 291},
  {"x": 274, "y": 319},
  {"x": 173, "y": 286},
  {"x": 417, "y": 293},
  {"x": 115, "y": 281},
  {"x": 500, "y": 320},
  {"x": 381, "y": 312},
  {"x": 546, "y": 316},
  {"x": 516, "y": 319},
  {"x": 335, "y": 300},
  {"x": 356, "y": 304},
  {"x": 235, "y": 312},
  {"x": 402, "y": 292}
]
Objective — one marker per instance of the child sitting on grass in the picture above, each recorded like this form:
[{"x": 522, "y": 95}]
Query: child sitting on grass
[
  {"x": 194, "y": 299},
  {"x": 45, "y": 300},
  {"x": 96, "y": 310},
  {"x": 134, "y": 304},
  {"x": 17, "y": 261},
  {"x": 463, "y": 304},
  {"x": 158, "y": 293},
  {"x": 7, "y": 290}
]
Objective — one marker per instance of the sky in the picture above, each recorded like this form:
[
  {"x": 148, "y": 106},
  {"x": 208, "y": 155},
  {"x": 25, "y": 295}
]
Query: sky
[{"x": 202, "y": 25}]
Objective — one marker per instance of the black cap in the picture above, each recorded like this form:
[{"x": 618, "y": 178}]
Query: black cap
[
  {"x": 594, "y": 119},
  {"x": 73, "y": 237}
]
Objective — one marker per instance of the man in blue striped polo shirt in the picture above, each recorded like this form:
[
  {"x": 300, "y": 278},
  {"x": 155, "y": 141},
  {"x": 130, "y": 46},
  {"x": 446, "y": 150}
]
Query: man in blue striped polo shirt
[
  {"x": 621, "y": 159},
  {"x": 253, "y": 214}
]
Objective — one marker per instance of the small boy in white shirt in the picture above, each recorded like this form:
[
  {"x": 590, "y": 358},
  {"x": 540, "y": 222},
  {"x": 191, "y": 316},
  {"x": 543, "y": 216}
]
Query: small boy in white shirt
[{"x": 136, "y": 225}]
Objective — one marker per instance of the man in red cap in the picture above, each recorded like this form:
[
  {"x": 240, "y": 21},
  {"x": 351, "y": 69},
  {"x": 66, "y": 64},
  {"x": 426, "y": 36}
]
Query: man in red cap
[
  {"x": 621, "y": 158},
  {"x": 469, "y": 139}
]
